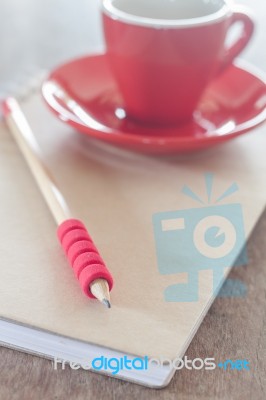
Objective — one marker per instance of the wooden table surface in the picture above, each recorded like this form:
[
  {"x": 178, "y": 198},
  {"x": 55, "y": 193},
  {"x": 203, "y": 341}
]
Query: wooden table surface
[{"x": 41, "y": 34}]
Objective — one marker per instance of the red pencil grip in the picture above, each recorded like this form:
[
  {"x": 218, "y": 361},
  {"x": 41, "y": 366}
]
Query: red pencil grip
[{"x": 82, "y": 255}]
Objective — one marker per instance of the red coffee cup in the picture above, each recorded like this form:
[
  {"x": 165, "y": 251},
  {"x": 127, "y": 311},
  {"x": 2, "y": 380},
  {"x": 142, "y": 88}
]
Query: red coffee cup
[{"x": 163, "y": 53}]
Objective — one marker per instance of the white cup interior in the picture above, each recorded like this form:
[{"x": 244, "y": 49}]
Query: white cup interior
[{"x": 166, "y": 9}]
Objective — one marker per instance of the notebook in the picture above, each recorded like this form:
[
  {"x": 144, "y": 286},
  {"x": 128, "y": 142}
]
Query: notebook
[{"x": 119, "y": 195}]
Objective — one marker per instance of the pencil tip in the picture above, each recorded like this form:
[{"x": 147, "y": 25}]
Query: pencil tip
[{"x": 106, "y": 303}]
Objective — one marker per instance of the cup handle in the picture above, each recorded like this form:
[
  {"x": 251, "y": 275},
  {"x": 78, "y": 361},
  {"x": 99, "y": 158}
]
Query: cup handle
[{"x": 241, "y": 43}]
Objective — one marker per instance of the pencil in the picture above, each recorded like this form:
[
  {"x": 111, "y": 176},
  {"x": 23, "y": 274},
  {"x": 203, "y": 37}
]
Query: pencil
[{"x": 95, "y": 279}]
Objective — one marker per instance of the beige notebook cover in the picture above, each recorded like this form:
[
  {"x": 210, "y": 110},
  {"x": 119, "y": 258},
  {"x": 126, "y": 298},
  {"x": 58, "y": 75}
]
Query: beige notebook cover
[{"x": 116, "y": 193}]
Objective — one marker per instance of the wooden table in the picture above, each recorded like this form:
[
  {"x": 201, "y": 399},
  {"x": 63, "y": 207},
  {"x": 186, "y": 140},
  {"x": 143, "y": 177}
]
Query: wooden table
[{"x": 40, "y": 34}]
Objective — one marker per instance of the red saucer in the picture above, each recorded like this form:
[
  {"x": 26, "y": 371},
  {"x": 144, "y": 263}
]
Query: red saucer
[{"x": 231, "y": 106}]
